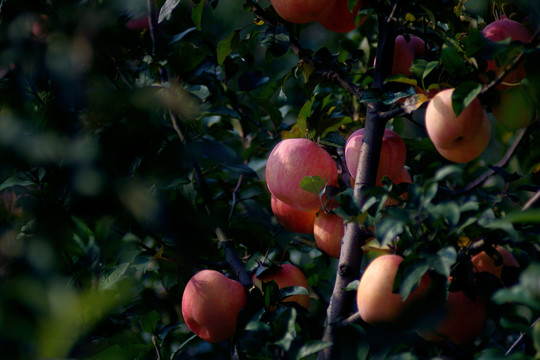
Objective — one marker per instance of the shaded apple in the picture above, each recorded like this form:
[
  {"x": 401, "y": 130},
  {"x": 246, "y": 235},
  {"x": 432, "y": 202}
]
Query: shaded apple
[
  {"x": 302, "y": 11},
  {"x": 341, "y": 19},
  {"x": 286, "y": 275},
  {"x": 211, "y": 304},
  {"x": 328, "y": 231},
  {"x": 292, "y": 219}
]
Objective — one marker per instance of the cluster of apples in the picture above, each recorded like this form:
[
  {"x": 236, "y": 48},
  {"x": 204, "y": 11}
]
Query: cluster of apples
[
  {"x": 212, "y": 302},
  {"x": 464, "y": 137},
  {"x": 334, "y": 15},
  {"x": 457, "y": 317}
]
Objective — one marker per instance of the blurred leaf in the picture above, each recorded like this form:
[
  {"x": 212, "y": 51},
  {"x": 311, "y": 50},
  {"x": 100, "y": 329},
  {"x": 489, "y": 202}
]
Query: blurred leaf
[
  {"x": 15, "y": 181},
  {"x": 443, "y": 261},
  {"x": 276, "y": 40},
  {"x": 149, "y": 321},
  {"x": 464, "y": 94},
  {"x": 226, "y": 46},
  {"x": 527, "y": 216},
  {"x": 312, "y": 347},
  {"x": 197, "y": 13},
  {"x": 166, "y": 10},
  {"x": 408, "y": 276}
]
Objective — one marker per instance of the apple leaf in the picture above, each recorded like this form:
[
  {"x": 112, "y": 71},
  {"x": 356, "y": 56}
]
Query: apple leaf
[
  {"x": 276, "y": 40},
  {"x": 313, "y": 184},
  {"x": 312, "y": 347},
  {"x": 292, "y": 291},
  {"x": 408, "y": 276},
  {"x": 444, "y": 260},
  {"x": 464, "y": 95},
  {"x": 196, "y": 14},
  {"x": 150, "y": 321},
  {"x": 166, "y": 10},
  {"x": 352, "y": 286},
  {"x": 226, "y": 46}
]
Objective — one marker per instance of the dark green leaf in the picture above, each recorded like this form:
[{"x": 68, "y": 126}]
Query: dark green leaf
[
  {"x": 464, "y": 94},
  {"x": 150, "y": 321},
  {"x": 276, "y": 40},
  {"x": 196, "y": 14},
  {"x": 226, "y": 46}
]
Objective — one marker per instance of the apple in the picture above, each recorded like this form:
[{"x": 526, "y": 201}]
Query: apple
[
  {"x": 376, "y": 302},
  {"x": 406, "y": 49},
  {"x": 483, "y": 262},
  {"x": 289, "y": 162},
  {"x": 341, "y": 19},
  {"x": 392, "y": 156},
  {"x": 457, "y": 138},
  {"x": 302, "y": 11},
  {"x": 462, "y": 320},
  {"x": 292, "y": 219},
  {"x": 285, "y": 276},
  {"x": 503, "y": 29},
  {"x": 138, "y": 23},
  {"x": 40, "y": 27},
  {"x": 211, "y": 304},
  {"x": 515, "y": 109},
  {"x": 328, "y": 231}
]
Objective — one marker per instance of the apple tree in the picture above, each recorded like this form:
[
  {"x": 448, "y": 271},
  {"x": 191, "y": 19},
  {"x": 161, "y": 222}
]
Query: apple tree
[{"x": 269, "y": 179}]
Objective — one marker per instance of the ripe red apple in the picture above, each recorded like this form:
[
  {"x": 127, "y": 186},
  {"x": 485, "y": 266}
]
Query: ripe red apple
[
  {"x": 138, "y": 23},
  {"x": 515, "y": 109},
  {"x": 483, "y": 262},
  {"x": 287, "y": 275},
  {"x": 341, "y": 19},
  {"x": 457, "y": 138},
  {"x": 376, "y": 302},
  {"x": 302, "y": 11},
  {"x": 392, "y": 157},
  {"x": 292, "y": 219},
  {"x": 405, "y": 51},
  {"x": 503, "y": 29},
  {"x": 289, "y": 162},
  {"x": 328, "y": 231},
  {"x": 462, "y": 321},
  {"x": 211, "y": 304}
]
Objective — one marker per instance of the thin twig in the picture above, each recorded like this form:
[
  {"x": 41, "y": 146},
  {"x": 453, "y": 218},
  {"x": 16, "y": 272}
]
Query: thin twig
[{"x": 531, "y": 201}]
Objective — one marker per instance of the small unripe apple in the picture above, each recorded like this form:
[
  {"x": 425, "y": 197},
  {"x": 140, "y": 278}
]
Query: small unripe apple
[
  {"x": 287, "y": 275},
  {"x": 341, "y": 19},
  {"x": 503, "y": 29},
  {"x": 483, "y": 262},
  {"x": 376, "y": 302},
  {"x": 292, "y": 219},
  {"x": 328, "y": 231},
  {"x": 302, "y": 11},
  {"x": 392, "y": 156},
  {"x": 211, "y": 304},
  {"x": 462, "y": 320},
  {"x": 405, "y": 51},
  {"x": 457, "y": 138},
  {"x": 289, "y": 162}
]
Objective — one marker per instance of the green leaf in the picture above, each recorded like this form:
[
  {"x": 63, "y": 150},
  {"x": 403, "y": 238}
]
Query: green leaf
[
  {"x": 313, "y": 184},
  {"x": 352, "y": 286},
  {"x": 149, "y": 321},
  {"x": 464, "y": 94},
  {"x": 303, "y": 115},
  {"x": 166, "y": 10},
  {"x": 15, "y": 181},
  {"x": 443, "y": 261},
  {"x": 288, "y": 317},
  {"x": 527, "y": 216},
  {"x": 312, "y": 347},
  {"x": 292, "y": 291},
  {"x": 408, "y": 277},
  {"x": 276, "y": 40},
  {"x": 226, "y": 46},
  {"x": 452, "y": 60},
  {"x": 196, "y": 14}
]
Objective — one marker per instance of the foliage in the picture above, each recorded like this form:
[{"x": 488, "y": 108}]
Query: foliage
[{"x": 125, "y": 145}]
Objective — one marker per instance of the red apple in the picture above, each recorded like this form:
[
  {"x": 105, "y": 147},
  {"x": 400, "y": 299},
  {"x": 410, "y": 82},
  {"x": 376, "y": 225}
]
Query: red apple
[
  {"x": 405, "y": 51},
  {"x": 341, "y": 19},
  {"x": 289, "y": 162},
  {"x": 287, "y": 275},
  {"x": 292, "y": 219},
  {"x": 503, "y": 29},
  {"x": 457, "y": 138},
  {"x": 211, "y": 304},
  {"x": 376, "y": 302},
  {"x": 328, "y": 231},
  {"x": 462, "y": 321},
  {"x": 515, "y": 109},
  {"x": 483, "y": 262},
  {"x": 392, "y": 156},
  {"x": 302, "y": 11}
]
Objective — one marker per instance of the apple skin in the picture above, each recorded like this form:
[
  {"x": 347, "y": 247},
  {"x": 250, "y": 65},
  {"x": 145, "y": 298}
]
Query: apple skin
[
  {"x": 289, "y": 162},
  {"x": 405, "y": 52},
  {"x": 459, "y": 139},
  {"x": 462, "y": 321},
  {"x": 515, "y": 109},
  {"x": 376, "y": 302},
  {"x": 211, "y": 303},
  {"x": 482, "y": 262},
  {"x": 292, "y": 219},
  {"x": 392, "y": 157},
  {"x": 328, "y": 231},
  {"x": 500, "y": 30},
  {"x": 341, "y": 19},
  {"x": 288, "y": 275},
  {"x": 302, "y": 11}
]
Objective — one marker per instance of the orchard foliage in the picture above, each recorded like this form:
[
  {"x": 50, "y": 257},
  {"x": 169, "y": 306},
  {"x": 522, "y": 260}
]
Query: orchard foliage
[{"x": 133, "y": 142}]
